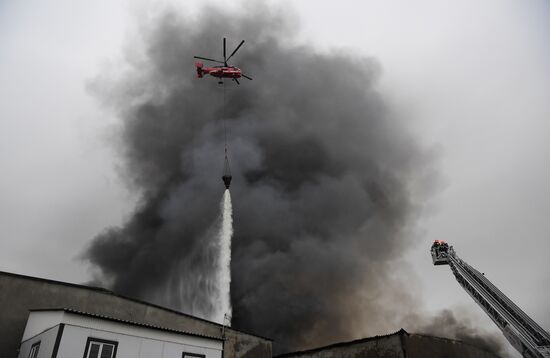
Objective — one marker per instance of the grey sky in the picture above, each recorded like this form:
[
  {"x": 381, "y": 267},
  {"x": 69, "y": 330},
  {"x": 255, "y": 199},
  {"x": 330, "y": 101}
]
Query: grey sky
[{"x": 473, "y": 77}]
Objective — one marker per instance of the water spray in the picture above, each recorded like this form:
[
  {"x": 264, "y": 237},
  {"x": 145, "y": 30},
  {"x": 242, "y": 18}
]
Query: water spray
[{"x": 224, "y": 264}]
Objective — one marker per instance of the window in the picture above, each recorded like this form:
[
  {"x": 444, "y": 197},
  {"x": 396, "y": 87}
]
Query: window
[
  {"x": 100, "y": 348},
  {"x": 34, "y": 350},
  {"x": 192, "y": 355}
]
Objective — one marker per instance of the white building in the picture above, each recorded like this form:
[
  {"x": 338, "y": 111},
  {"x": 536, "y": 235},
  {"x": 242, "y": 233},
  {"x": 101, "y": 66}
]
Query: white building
[{"x": 65, "y": 333}]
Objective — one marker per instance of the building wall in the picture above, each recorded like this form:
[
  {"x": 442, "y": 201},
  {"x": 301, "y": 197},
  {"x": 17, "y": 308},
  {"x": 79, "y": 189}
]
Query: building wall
[
  {"x": 74, "y": 339},
  {"x": 19, "y": 294},
  {"x": 73, "y": 343},
  {"x": 133, "y": 341},
  {"x": 47, "y": 342}
]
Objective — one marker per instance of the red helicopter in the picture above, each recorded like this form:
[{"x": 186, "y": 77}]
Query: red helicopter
[{"x": 224, "y": 71}]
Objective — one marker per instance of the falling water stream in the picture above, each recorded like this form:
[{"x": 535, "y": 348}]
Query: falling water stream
[{"x": 223, "y": 276}]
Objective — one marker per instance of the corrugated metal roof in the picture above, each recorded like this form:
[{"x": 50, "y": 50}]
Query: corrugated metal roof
[{"x": 113, "y": 319}]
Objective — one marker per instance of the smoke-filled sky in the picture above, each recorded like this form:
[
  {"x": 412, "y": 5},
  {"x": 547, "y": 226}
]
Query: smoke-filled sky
[{"x": 364, "y": 136}]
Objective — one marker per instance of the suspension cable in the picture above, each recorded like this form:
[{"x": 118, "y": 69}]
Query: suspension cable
[
  {"x": 226, "y": 168},
  {"x": 224, "y": 120}
]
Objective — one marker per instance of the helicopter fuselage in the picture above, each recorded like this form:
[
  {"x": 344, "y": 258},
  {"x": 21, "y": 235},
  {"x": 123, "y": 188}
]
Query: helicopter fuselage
[{"x": 218, "y": 71}]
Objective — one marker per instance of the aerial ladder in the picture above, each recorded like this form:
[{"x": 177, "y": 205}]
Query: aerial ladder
[{"x": 525, "y": 335}]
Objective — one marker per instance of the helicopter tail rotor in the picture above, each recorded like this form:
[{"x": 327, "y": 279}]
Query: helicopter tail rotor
[
  {"x": 199, "y": 65},
  {"x": 224, "y": 57}
]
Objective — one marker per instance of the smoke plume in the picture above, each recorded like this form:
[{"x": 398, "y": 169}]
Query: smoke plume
[
  {"x": 445, "y": 324},
  {"x": 325, "y": 180}
]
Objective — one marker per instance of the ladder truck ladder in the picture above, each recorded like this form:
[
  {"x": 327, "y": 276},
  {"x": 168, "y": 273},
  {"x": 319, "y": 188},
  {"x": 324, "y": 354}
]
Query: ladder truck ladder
[{"x": 525, "y": 335}]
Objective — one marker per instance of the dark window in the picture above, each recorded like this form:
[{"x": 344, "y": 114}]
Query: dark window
[
  {"x": 192, "y": 355},
  {"x": 100, "y": 348},
  {"x": 34, "y": 350}
]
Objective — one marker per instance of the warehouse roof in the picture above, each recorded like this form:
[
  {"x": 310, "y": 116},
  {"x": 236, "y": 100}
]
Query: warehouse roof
[
  {"x": 342, "y": 344},
  {"x": 106, "y": 291}
]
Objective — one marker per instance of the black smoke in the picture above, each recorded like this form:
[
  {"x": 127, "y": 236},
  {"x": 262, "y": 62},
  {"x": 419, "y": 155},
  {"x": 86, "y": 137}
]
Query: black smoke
[{"x": 325, "y": 179}]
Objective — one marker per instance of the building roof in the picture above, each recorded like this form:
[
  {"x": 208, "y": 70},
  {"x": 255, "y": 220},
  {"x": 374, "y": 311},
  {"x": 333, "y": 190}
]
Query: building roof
[
  {"x": 113, "y": 319},
  {"x": 361, "y": 340},
  {"x": 452, "y": 340},
  {"x": 342, "y": 344},
  {"x": 106, "y": 291}
]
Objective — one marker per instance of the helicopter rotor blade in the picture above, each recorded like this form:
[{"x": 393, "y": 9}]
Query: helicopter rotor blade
[
  {"x": 238, "y": 47},
  {"x": 224, "y": 60},
  {"x": 245, "y": 76},
  {"x": 236, "y": 80},
  {"x": 207, "y": 59}
]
